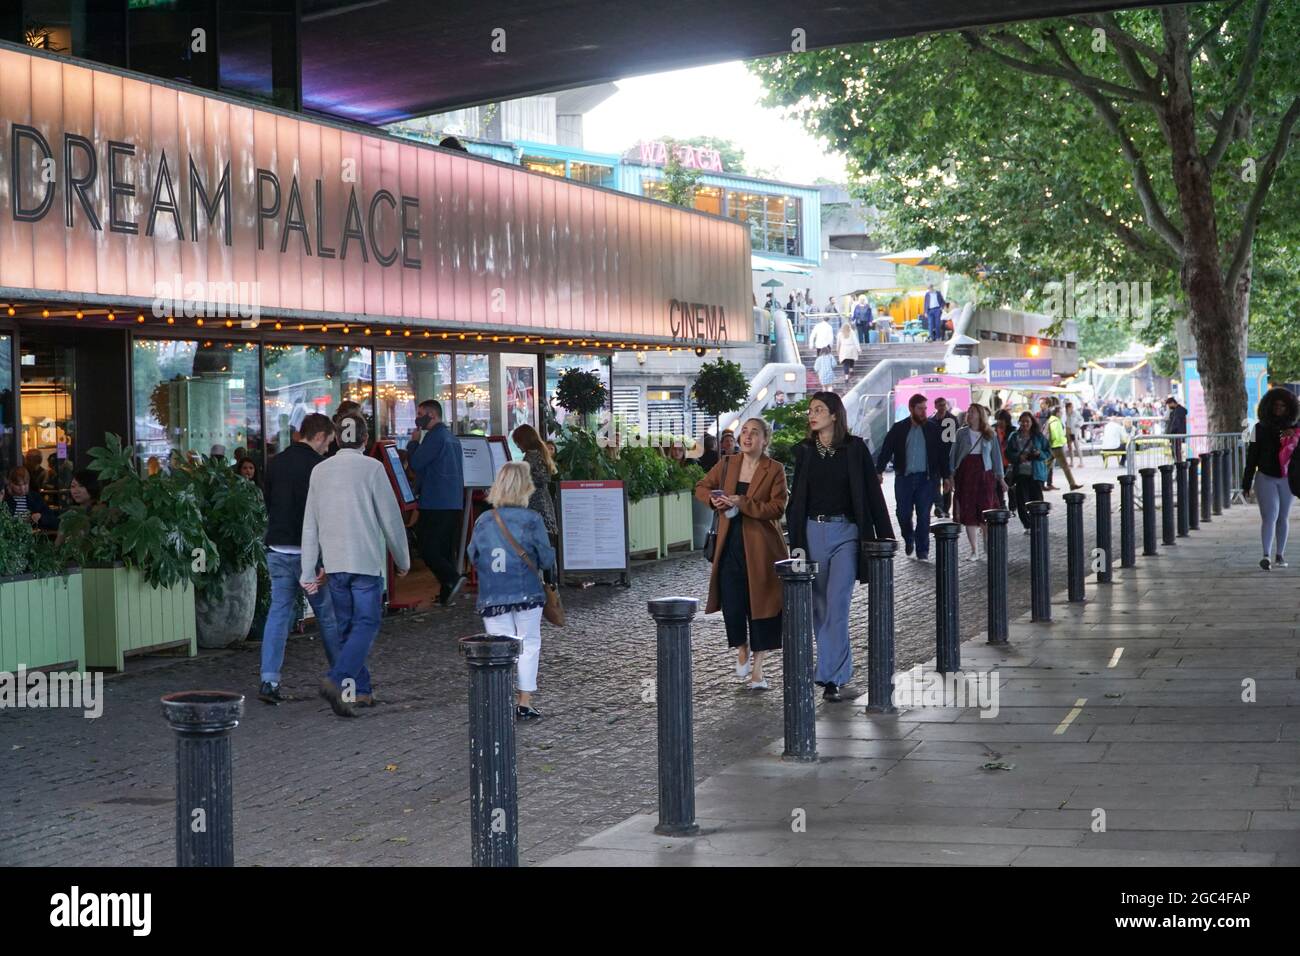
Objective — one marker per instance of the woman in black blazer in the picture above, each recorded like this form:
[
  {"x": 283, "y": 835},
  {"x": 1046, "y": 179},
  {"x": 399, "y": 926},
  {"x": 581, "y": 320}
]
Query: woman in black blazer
[{"x": 836, "y": 504}]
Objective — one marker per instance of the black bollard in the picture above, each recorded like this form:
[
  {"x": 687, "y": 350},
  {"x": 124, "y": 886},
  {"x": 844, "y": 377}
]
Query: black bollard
[
  {"x": 1216, "y": 500},
  {"x": 880, "y": 625},
  {"x": 493, "y": 777},
  {"x": 676, "y": 734},
  {"x": 1104, "y": 543},
  {"x": 1074, "y": 560},
  {"x": 1193, "y": 492},
  {"x": 946, "y": 597},
  {"x": 996, "y": 538},
  {"x": 1180, "y": 485},
  {"x": 205, "y": 801},
  {"x": 1168, "y": 516},
  {"x": 1148, "y": 510},
  {"x": 1040, "y": 568},
  {"x": 1229, "y": 479},
  {"x": 1127, "y": 523},
  {"x": 1207, "y": 485},
  {"x": 797, "y": 658}
]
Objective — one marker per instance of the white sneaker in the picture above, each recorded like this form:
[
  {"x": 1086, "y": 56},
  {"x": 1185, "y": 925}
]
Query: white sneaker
[
  {"x": 759, "y": 684},
  {"x": 743, "y": 670},
  {"x": 1279, "y": 561},
  {"x": 973, "y": 556}
]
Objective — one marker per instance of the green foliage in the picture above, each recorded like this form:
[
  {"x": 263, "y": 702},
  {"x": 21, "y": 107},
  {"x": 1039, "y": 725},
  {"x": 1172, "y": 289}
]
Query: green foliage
[
  {"x": 720, "y": 387},
  {"x": 579, "y": 457},
  {"x": 581, "y": 392},
  {"x": 1101, "y": 338},
  {"x": 682, "y": 476},
  {"x": 789, "y": 427},
  {"x": 679, "y": 181},
  {"x": 644, "y": 471},
  {"x": 234, "y": 519},
  {"x": 23, "y": 551},
  {"x": 150, "y": 523}
]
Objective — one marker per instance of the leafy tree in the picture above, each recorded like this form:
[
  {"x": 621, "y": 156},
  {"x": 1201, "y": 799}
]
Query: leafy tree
[
  {"x": 720, "y": 387},
  {"x": 1147, "y": 145},
  {"x": 679, "y": 181},
  {"x": 1101, "y": 338}
]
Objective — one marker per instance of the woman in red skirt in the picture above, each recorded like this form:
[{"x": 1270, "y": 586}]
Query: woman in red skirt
[{"x": 977, "y": 473}]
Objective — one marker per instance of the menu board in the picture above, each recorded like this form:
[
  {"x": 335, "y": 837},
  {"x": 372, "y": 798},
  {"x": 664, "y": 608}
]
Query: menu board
[
  {"x": 477, "y": 459},
  {"x": 593, "y": 526},
  {"x": 399, "y": 475},
  {"x": 499, "y": 451}
]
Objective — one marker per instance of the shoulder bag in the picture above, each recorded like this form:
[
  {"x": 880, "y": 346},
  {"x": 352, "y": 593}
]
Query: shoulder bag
[
  {"x": 553, "y": 610},
  {"x": 711, "y": 539}
]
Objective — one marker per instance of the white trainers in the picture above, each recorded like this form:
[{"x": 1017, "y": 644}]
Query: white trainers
[
  {"x": 759, "y": 685},
  {"x": 1279, "y": 561},
  {"x": 743, "y": 670}
]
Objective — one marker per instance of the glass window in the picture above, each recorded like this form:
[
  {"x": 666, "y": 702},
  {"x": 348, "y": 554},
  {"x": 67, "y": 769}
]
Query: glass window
[
  {"x": 192, "y": 395},
  {"x": 544, "y": 164},
  {"x": 7, "y": 404},
  {"x": 302, "y": 379},
  {"x": 254, "y": 35},
  {"x": 473, "y": 398},
  {"x": 593, "y": 173},
  {"x": 402, "y": 380},
  {"x": 555, "y": 365},
  {"x": 47, "y": 428},
  {"x": 773, "y": 220}
]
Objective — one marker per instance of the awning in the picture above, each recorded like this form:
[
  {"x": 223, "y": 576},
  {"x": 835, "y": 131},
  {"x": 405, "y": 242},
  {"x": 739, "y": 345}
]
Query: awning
[{"x": 764, "y": 264}]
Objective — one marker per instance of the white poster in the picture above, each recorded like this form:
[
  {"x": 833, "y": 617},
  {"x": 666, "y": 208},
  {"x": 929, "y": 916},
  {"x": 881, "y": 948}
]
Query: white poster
[
  {"x": 477, "y": 459},
  {"x": 592, "y": 525}
]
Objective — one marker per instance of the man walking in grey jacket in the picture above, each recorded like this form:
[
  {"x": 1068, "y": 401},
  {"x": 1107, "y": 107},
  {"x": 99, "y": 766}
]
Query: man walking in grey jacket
[{"x": 352, "y": 522}]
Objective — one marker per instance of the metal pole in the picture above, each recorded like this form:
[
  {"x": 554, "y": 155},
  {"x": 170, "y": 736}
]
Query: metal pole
[
  {"x": 205, "y": 802},
  {"x": 1180, "y": 485},
  {"x": 1216, "y": 502},
  {"x": 797, "y": 658},
  {"x": 1229, "y": 466},
  {"x": 1127, "y": 523},
  {"x": 676, "y": 736},
  {"x": 1105, "y": 575},
  {"x": 1074, "y": 563},
  {"x": 880, "y": 626},
  {"x": 1148, "y": 510},
  {"x": 946, "y": 597},
  {"x": 1207, "y": 485},
  {"x": 997, "y": 519},
  {"x": 1193, "y": 493},
  {"x": 493, "y": 776},
  {"x": 1168, "y": 517},
  {"x": 1040, "y": 570}
]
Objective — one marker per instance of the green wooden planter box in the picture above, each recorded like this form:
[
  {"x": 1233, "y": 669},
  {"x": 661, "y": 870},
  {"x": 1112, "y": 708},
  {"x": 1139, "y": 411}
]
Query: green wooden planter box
[
  {"x": 644, "y": 527},
  {"x": 675, "y": 516},
  {"x": 41, "y": 622},
  {"x": 124, "y": 615}
]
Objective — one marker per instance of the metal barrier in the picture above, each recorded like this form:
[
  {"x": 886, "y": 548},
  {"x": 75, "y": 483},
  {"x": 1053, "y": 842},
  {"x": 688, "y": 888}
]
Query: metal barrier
[{"x": 1152, "y": 451}]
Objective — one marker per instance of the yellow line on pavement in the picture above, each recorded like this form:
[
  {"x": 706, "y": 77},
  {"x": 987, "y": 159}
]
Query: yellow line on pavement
[
  {"x": 1119, "y": 651},
  {"x": 1069, "y": 718}
]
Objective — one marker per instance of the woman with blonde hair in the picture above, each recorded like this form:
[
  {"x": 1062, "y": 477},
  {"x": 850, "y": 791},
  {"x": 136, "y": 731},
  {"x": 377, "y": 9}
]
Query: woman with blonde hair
[
  {"x": 849, "y": 349},
  {"x": 976, "y": 462},
  {"x": 748, "y": 492},
  {"x": 542, "y": 468},
  {"x": 509, "y": 548}
]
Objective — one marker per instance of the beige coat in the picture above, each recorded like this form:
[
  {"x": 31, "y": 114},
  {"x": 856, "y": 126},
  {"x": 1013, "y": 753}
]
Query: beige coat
[
  {"x": 848, "y": 345},
  {"x": 762, "y": 507}
]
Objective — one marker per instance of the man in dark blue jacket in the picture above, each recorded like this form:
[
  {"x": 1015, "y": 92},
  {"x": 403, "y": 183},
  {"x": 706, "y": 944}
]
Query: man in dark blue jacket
[
  {"x": 437, "y": 461},
  {"x": 920, "y": 458}
]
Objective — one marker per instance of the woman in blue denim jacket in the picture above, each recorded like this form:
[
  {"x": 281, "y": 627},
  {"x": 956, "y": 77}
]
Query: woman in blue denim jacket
[{"x": 510, "y": 593}]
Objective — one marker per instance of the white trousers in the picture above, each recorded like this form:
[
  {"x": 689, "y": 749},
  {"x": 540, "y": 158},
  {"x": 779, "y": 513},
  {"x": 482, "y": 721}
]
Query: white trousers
[{"x": 527, "y": 626}]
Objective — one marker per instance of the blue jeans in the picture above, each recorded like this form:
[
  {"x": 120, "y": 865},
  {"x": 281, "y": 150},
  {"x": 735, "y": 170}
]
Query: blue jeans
[
  {"x": 834, "y": 546},
  {"x": 285, "y": 571},
  {"x": 914, "y": 492},
  {"x": 358, "y": 607}
]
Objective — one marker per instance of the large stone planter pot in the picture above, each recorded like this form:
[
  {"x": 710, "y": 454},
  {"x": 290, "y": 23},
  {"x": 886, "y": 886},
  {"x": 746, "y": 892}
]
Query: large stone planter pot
[{"x": 221, "y": 623}]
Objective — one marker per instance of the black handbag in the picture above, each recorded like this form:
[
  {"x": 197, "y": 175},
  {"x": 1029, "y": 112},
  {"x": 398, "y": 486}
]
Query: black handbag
[{"x": 711, "y": 539}]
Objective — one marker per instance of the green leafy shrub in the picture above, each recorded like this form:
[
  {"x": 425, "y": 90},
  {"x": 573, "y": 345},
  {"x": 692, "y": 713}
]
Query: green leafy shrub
[
  {"x": 789, "y": 427},
  {"x": 643, "y": 471},
  {"x": 579, "y": 456},
  {"x": 581, "y": 392},
  {"x": 720, "y": 387},
  {"x": 682, "y": 477},
  {"x": 22, "y": 551},
  {"x": 234, "y": 519}
]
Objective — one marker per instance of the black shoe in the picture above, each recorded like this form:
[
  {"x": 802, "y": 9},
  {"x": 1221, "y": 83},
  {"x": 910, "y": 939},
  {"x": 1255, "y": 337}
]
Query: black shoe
[
  {"x": 1263, "y": 563},
  {"x": 448, "y": 598},
  {"x": 270, "y": 693},
  {"x": 330, "y": 691},
  {"x": 526, "y": 713},
  {"x": 909, "y": 548},
  {"x": 832, "y": 692}
]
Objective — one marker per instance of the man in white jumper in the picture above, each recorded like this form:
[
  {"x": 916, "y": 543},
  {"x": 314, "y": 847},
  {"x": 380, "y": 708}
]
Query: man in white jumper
[{"x": 351, "y": 523}]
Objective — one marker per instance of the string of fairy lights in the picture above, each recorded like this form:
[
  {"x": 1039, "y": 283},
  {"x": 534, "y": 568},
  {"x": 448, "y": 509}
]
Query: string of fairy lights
[{"x": 140, "y": 318}]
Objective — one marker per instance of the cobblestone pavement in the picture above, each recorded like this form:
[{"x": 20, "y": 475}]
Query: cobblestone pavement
[{"x": 391, "y": 787}]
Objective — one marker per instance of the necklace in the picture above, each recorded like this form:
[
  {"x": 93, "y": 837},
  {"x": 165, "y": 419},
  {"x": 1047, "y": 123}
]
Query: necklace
[{"x": 825, "y": 451}]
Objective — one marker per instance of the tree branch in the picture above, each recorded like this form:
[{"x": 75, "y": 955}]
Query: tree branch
[
  {"x": 1245, "y": 79},
  {"x": 1214, "y": 29},
  {"x": 1133, "y": 239},
  {"x": 1126, "y": 41},
  {"x": 1043, "y": 69},
  {"x": 1266, "y": 173}
]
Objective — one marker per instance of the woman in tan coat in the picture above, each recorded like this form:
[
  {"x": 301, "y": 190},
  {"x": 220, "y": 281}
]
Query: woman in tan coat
[{"x": 749, "y": 493}]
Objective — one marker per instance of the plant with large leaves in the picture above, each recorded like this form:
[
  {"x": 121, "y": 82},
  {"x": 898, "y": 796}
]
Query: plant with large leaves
[{"x": 234, "y": 519}]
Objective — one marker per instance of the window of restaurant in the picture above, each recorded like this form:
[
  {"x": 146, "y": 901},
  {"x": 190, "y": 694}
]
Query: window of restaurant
[
  {"x": 303, "y": 379},
  {"x": 47, "y": 429},
  {"x": 593, "y": 173},
  {"x": 557, "y": 364},
  {"x": 707, "y": 198},
  {"x": 402, "y": 380},
  {"x": 773, "y": 220},
  {"x": 193, "y": 395},
  {"x": 7, "y": 404},
  {"x": 473, "y": 396},
  {"x": 665, "y": 410},
  {"x": 544, "y": 164}
]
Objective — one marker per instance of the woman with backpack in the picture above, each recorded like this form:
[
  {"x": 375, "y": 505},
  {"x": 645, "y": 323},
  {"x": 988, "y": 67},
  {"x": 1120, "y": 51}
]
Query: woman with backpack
[{"x": 1273, "y": 471}]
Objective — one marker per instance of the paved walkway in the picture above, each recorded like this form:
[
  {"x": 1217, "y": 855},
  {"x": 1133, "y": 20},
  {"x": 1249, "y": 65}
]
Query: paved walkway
[{"x": 1122, "y": 738}]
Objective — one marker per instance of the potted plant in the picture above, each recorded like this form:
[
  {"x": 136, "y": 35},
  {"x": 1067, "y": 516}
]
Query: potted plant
[
  {"x": 720, "y": 387},
  {"x": 138, "y": 552},
  {"x": 41, "y": 623},
  {"x": 676, "y": 500},
  {"x": 644, "y": 473},
  {"x": 581, "y": 392},
  {"x": 234, "y": 520}
]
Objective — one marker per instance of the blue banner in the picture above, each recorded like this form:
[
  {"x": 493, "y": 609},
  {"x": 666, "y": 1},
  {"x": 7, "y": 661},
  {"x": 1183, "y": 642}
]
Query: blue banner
[{"x": 1006, "y": 370}]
